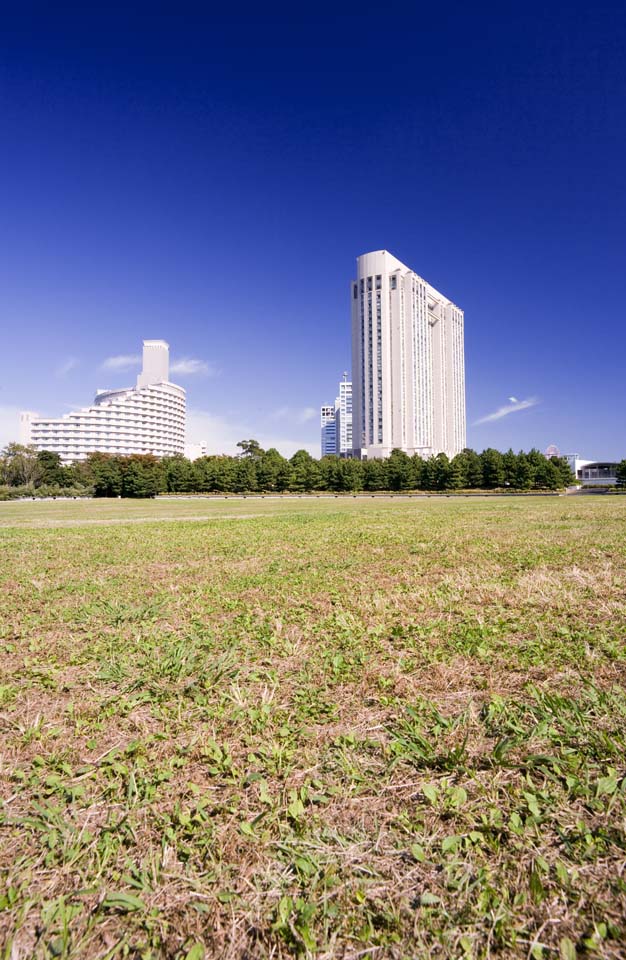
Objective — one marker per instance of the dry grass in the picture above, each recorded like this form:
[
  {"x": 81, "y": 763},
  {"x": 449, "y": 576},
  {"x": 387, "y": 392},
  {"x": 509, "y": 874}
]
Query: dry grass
[{"x": 328, "y": 728}]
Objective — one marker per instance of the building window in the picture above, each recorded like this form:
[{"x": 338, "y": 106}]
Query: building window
[
  {"x": 394, "y": 282},
  {"x": 369, "y": 283},
  {"x": 379, "y": 282},
  {"x": 355, "y": 291}
]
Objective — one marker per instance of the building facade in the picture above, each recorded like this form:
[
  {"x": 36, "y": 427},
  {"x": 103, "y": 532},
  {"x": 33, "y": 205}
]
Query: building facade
[
  {"x": 148, "y": 418},
  {"x": 328, "y": 425},
  {"x": 408, "y": 364},
  {"x": 343, "y": 417}
]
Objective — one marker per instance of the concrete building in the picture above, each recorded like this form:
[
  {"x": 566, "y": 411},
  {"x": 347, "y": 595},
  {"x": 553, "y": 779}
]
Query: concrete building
[
  {"x": 343, "y": 417},
  {"x": 576, "y": 464},
  {"x": 408, "y": 366},
  {"x": 598, "y": 474},
  {"x": 148, "y": 418},
  {"x": 328, "y": 424}
]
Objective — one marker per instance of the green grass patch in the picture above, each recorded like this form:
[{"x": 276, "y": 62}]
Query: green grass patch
[{"x": 334, "y": 728}]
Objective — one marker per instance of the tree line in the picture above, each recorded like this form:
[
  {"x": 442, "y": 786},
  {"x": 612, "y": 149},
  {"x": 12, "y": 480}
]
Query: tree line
[{"x": 24, "y": 471}]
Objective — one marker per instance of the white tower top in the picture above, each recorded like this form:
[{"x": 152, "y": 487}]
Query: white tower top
[{"x": 156, "y": 363}]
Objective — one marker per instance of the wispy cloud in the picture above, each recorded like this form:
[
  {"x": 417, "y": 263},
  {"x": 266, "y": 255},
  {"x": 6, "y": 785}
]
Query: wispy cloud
[
  {"x": 125, "y": 361},
  {"x": 294, "y": 414},
  {"x": 69, "y": 364},
  {"x": 190, "y": 367},
  {"x": 513, "y": 406}
]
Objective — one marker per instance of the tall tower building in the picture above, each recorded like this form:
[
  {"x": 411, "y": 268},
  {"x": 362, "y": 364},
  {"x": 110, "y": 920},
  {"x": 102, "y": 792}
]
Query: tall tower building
[
  {"x": 329, "y": 429},
  {"x": 408, "y": 366}
]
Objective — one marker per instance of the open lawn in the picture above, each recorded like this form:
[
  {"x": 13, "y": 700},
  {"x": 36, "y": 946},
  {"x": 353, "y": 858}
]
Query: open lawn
[{"x": 331, "y": 728}]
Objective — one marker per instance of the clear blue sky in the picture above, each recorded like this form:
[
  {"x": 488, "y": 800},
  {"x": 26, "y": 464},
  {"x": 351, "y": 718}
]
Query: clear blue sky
[{"x": 209, "y": 178}]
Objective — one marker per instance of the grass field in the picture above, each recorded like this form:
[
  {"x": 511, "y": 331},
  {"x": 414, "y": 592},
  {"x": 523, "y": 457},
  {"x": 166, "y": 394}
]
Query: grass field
[{"x": 343, "y": 728}]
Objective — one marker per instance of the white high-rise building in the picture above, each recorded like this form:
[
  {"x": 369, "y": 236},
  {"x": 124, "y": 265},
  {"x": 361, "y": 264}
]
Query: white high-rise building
[
  {"x": 329, "y": 429},
  {"x": 408, "y": 366},
  {"x": 148, "y": 418},
  {"x": 343, "y": 417}
]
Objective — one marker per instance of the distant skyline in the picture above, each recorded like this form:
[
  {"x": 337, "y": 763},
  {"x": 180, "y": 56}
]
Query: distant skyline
[{"x": 210, "y": 180}]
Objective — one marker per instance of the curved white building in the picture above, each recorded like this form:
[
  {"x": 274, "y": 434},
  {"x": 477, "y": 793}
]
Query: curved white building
[
  {"x": 408, "y": 367},
  {"x": 148, "y": 418}
]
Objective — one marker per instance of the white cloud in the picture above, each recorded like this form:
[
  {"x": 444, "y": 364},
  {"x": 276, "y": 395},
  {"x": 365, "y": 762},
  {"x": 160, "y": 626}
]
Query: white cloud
[
  {"x": 189, "y": 367},
  {"x": 514, "y": 406},
  {"x": 222, "y": 435},
  {"x": 69, "y": 364},
  {"x": 125, "y": 361}
]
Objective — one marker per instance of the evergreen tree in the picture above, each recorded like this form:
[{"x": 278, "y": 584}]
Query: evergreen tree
[
  {"x": 492, "y": 468},
  {"x": 458, "y": 472},
  {"x": 442, "y": 472},
  {"x": 349, "y": 475},
  {"x": 106, "y": 474},
  {"x": 305, "y": 472},
  {"x": 474, "y": 469},
  {"x": 245, "y": 475},
  {"x": 179, "y": 474},
  {"x": 399, "y": 470},
  {"x": 509, "y": 464},
  {"x": 50, "y": 469},
  {"x": 374, "y": 475},
  {"x": 271, "y": 467},
  {"x": 523, "y": 472}
]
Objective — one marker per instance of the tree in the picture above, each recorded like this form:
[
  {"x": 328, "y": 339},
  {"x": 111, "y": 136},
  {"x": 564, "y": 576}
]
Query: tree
[
  {"x": 442, "y": 473},
  {"x": 141, "y": 476},
  {"x": 251, "y": 448},
  {"x": 105, "y": 473},
  {"x": 429, "y": 475},
  {"x": 509, "y": 466},
  {"x": 523, "y": 472},
  {"x": 620, "y": 473},
  {"x": 50, "y": 469},
  {"x": 474, "y": 469},
  {"x": 399, "y": 470},
  {"x": 374, "y": 474},
  {"x": 245, "y": 475},
  {"x": 271, "y": 466},
  {"x": 305, "y": 472},
  {"x": 349, "y": 475},
  {"x": 458, "y": 472},
  {"x": 179, "y": 474},
  {"x": 493, "y": 468},
  {"x": 20, "y": 466},
  {"x": 566, "y": 476}
]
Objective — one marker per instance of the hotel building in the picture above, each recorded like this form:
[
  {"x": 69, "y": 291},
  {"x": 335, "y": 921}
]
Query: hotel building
[
  {"x": 147, "y": 418},
  {"x": 408, "y": 367}
]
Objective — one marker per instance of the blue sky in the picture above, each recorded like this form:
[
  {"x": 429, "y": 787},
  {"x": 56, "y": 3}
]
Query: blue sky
[{"x": 210, "y": 178}]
